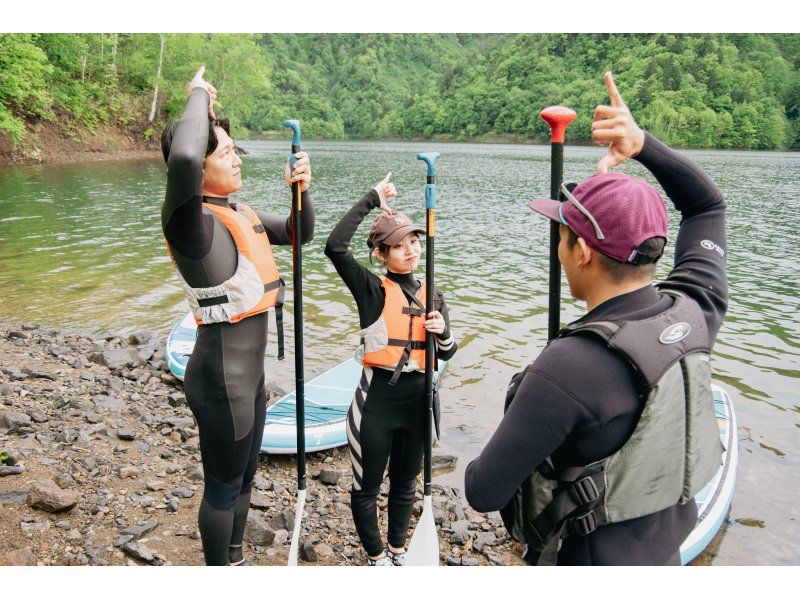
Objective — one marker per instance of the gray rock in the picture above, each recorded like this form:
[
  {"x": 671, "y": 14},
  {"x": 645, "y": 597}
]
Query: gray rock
[
  {"x": 46, "y": 495},
  {"x": 136, "y": 532},
  {"x": 258, "y": 500},
  {"x": 79, "y": 362},
  {"x": 256, "y": 530},
  {"x": 39, "y": 374},
  {"x": 173, "y": 505},
  {"x": 12, "y": 334},
  {"x": 177, "y": 399},
  {"x": 155, "y": 485},
  {"x": 122, "y": 540},
  {"x": 283, "y": 520},
  {"x": 37, "y": 416},
  {"x": 453, "y": 561},
  {"x": 108, "y": 403},
  {"x": 439, "y": 516},
  {"x": 13, "y": 497},
  {"x": 183, "y": 492},
  {"x": 126, "y": 433},
  {"x": 469, "y": 561},
  {"x": 281, "y": 537},
  {"x": 140, "y": 337},
  {"x": 194, "y": 473},
  {"x": 74, "y": 537},
  {"x": 307, "y": 552},
  {"x": 129, "y": 471},
  {"x": 441, "y": 460},
  {"x": 14, "y": 421},
  {"x": 139, "y": 552},
  {"x": 330, "y": 476},
  {"x": 483, "y": 539},
  {"x": 116, "y": 359}
]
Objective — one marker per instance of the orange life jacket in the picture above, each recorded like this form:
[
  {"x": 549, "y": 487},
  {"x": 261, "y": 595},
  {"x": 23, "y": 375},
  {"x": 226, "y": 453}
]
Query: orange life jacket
[
  {"x": 396, "y": 340},
  {"x": 255, "y": 286}
]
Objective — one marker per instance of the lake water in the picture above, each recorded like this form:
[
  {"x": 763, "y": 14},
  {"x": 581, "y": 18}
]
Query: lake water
[{"x": 81, "y": 248}]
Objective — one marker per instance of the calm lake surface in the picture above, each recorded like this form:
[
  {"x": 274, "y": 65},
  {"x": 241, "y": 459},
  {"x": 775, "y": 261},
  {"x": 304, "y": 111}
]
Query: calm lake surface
[{"x": 81, "y": 248}]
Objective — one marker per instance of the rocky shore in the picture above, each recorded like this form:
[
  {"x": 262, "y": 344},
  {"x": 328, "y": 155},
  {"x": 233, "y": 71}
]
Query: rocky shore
[{"x": 100, "y": 465}]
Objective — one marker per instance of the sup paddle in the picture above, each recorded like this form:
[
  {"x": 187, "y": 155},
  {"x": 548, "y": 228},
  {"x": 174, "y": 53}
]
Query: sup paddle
[
  {"x": 424, "y": 546},
  {"x": 559, "y": 118},
  {"x": 299, "y": 392}
]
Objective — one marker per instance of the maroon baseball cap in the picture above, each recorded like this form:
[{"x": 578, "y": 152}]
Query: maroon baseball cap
[
  {"x": 390, "y": 229},
  {"x": 619, "y": 213}
]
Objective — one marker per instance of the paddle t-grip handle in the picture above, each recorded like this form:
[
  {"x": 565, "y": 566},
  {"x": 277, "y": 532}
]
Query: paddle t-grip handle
[
  {"x": 559, "y": 118},
  {"x": 430, "y": 188},
  {"x": 294, "y": 125}
]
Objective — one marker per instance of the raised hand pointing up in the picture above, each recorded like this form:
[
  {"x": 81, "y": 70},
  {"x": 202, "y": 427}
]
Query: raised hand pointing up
[{"x": 614, "y": 126}]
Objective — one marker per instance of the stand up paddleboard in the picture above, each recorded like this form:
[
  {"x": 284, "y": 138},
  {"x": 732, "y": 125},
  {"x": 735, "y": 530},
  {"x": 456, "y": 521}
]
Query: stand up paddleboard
[
  {"x": 714, "y": 500},
  {"x": 327, "y": 399}
]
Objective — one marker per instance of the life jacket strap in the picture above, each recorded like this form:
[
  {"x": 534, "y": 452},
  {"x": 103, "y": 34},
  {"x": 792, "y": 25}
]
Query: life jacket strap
[
  {"x": 572, "y": 511},
  {"x": 279, "y": 314}
]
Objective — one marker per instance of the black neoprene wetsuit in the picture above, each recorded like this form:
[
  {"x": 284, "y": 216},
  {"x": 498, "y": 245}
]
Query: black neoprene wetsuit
[
  {"x": 224, "y": 379},
  {"x": 579, "y": 401},
  {"x": 384, "y": 422}
]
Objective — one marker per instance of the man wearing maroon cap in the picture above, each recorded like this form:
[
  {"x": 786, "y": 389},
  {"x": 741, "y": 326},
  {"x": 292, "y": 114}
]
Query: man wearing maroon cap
[{"x": 580, "y": 401}]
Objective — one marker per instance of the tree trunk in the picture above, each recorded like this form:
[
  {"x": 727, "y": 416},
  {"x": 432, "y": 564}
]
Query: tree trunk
[
  {"x": 114, "y": 52},
  {"x": 158, "y": 76}
]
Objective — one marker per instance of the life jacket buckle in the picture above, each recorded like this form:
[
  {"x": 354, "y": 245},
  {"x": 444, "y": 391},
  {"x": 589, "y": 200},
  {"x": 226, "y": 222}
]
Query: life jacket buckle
[
  {"x": 585, "y": 524},
  {"x": 584, "y": 491}
]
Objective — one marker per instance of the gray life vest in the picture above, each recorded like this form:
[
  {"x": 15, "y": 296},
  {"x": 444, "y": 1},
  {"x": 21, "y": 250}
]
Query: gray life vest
[{"x": 672, "y": 453}]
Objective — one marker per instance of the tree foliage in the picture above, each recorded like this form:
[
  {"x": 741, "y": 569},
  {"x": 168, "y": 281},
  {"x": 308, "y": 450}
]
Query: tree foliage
[{"x": 696, "y": 90}]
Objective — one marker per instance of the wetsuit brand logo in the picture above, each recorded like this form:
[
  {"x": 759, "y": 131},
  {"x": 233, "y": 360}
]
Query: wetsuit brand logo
[
  {"x": 705, "y": 243},
  {"x": 675, "y": 333}
]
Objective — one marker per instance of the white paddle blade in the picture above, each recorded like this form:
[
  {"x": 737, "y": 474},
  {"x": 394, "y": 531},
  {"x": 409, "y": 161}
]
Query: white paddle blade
[
  {"x": 424, "y": 547},
  {"x": 298, "y": 517}
]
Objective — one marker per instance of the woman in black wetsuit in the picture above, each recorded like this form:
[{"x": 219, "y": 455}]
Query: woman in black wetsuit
[
  {"x": 223, "y": 256},
  {"x": 386, "y": 419}
]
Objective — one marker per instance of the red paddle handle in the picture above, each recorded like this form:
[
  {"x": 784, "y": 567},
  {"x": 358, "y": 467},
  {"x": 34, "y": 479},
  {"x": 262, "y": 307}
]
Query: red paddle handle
[{"x": 558, "y": 117}]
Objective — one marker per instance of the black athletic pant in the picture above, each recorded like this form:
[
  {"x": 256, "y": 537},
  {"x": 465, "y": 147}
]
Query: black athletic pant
[
  {"x": 385, "y": 423},
  {"x": 225, "y": 390}
]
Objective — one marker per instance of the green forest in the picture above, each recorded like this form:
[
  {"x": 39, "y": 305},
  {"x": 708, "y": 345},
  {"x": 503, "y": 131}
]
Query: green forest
[{"x": 691, "y": 90}]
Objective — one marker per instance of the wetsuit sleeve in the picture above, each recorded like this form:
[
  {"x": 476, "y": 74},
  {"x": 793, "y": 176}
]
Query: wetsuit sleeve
[
  {"x": 537, "y": 422},
  {"x": 279, "y": 228},
  {"x": 700, "y": 248},
  {"x": 445, "y": 342},
  {"x": 185, "y": 227},
  {"x": 364, "y": 285}
]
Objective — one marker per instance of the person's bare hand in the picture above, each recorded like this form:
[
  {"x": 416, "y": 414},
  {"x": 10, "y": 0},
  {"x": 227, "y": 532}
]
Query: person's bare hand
[
  {"x": 198, "y": 81},
  {"x": 434, "y": 323},
  {"x": 615, "y": 127},
  {"x": 386, "y": 191},
  {"x": 301, "y": 172}
]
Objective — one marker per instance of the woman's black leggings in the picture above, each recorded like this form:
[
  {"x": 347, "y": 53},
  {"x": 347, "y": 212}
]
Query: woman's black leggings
[
  {"x": 224, "y": 387},
  {"x": 385, "y": 423}
]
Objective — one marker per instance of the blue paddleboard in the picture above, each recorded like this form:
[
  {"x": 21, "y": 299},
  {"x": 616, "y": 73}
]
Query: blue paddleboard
[{"x": 714, "y": 500}]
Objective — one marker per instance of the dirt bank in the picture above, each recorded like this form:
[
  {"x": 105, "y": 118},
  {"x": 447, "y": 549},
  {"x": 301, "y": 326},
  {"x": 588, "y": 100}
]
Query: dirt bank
[{"x": 47, "y": 143}]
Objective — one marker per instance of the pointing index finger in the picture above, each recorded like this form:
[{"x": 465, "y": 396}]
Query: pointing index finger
[
  {"x": 613, "y": 92},
  {"x": 200, "y": 72}
]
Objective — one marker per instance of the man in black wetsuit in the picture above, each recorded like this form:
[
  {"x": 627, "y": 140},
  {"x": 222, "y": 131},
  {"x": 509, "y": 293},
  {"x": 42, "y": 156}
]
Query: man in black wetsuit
[
  {"x": 579, "y": 401},
  {"x": 222, "y": 252}
]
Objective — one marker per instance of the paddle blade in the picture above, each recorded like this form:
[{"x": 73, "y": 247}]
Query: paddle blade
[
  {"x": 424, "y": 547},
  {"x": 298, "y": 517}
]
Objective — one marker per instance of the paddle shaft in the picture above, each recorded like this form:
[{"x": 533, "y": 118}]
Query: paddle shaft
[
  {"x": 299, "y": 376},
  {"x": 556, "y": 176},
  {"x": 430, "y": 350}
]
